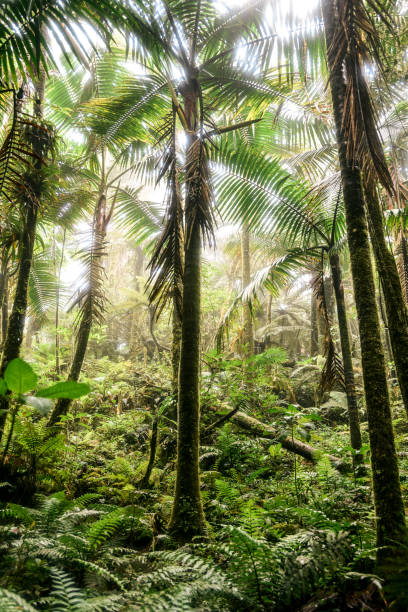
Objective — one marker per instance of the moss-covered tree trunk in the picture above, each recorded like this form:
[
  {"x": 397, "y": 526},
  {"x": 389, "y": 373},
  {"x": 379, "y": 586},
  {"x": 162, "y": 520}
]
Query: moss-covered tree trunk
[
  {"x": 62, "y": 405},
  {"x": 30, "y": 204},
  {"x": 314, "y": 328},
  {"x": 187, "y": 519},
  {"x": 354, "y": 422},
  {"x": 248, "y": 335},
  {"x": 175, "y": 349},
  {"x": 395, "y": 307},
  {"x": 389, "y": 508},
  {"x": 401, "y": 251},
  {"x": 58, "y": 270},
  {"x": 100, "y": 221},
  {"x": 4, "y": 297}
]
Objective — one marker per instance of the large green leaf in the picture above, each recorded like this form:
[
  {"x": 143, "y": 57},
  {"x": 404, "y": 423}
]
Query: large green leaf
[
  {"x": 19, "y": 376},
  {"x": 65, "y": 390}
]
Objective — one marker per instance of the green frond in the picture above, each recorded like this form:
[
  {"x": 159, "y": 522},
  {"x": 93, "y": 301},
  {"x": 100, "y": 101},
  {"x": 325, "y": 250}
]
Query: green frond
[
  {"x": 42, "y": 286},
  {"x": 65, "y": 594},
  {"x": 24, "y": 46},
  {"x": 11, "y": 602}
]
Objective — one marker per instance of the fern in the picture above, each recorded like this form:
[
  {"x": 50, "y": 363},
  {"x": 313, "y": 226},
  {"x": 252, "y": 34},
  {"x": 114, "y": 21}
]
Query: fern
[
  {"x": 65, "y": 595},
  {"x": 11, "y": 602},
  {"x": 226, "y": 493},
  {"x": 101, "y": 571},
  {"x": 277, "y": 576},
  {"x": 252, "y": 518},
  {"x": 104, "y": 529}
]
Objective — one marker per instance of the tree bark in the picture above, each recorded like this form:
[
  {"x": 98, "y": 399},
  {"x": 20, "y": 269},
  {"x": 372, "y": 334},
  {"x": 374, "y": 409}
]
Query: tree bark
[
  {"x": 293, "y": 445},
  {"x": 100, "y": 222},
  {"x": 15, "y": 327},
  {"x": 314, "y": 331},
  {"x": 395, "y": 307},
  {"x": 354, "y": 422},
  {"x": 389, "y": 508},
  {"x": 248, "y": 335},
  {"x": 402, "y": 262},
  {"x": 62, "y": 405},
  {"x": 4, "y": 297},
  {"x": 144, "y": 482},
  {"x": 175, "y": 349},
  {"x": 57, "y": 309},
  {"x": 187, "y": 518}
]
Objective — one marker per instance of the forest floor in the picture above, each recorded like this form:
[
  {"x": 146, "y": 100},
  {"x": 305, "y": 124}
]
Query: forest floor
[{"x": 284, "y": 532}]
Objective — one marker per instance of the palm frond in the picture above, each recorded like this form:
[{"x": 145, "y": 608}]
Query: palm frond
[
  {"x": 24, "y": 44},
  {"x": 271, "y": 278},
  {"x": 355, "y": 41},
  {"x": 16, "y": 154},
  {"x": 166, "y": 264},
  {"x": 42, "y": 286}
]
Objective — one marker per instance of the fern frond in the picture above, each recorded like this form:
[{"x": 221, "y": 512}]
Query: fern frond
[{"x": 11, "y": 602}]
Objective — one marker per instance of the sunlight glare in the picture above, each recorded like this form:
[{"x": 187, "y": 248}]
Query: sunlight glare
[{"x": 300, "y": 8}]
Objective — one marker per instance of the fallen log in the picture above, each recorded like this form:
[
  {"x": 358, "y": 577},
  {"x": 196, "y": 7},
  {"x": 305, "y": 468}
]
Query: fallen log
[{"x": 260, "y": 429}]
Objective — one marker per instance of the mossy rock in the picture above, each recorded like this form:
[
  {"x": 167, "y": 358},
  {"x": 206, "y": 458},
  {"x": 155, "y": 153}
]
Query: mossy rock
[
  {"x": 304, "y": 382},
  {"x": 334, "y": 410}
]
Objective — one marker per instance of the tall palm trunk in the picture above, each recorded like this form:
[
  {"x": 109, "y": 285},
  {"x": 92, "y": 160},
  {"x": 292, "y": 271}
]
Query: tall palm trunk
[
  {"x": 314, "y": 328},
  {"x": 100, "y": 222},
  {"x": 5, "y": 309},
  {"x": 175, "y": 349},
  {"x": 187, "y": 519},
  {"x": 389, "y": 508},
  {"x": 395, "y": 307},
  {"x": 58, "y": 270},
  {"x": 248, "y": 335},
  {"x": 402, "y": 262},
  {"x": 4, "y": 296},
  {"x": 354, "y": 423},
  {"x": 16, "y": 322}
]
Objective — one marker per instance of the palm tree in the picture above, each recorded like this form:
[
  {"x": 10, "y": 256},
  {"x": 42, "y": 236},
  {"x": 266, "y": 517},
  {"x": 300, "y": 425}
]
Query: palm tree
[
  {"x": 109, "y": 186},
  {"x": 344, "y": 44},
  {"x": 275, "y": 201},
  {"x": 189, "y": 75},
  {"x": 24, "y": 47}
]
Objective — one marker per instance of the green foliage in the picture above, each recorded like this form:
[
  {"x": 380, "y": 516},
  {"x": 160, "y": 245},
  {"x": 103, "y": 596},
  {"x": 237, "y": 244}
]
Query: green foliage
[
  {"x": 19, "y": 376},
  {"x": 281, "y": 575},
  {"x": 11, "y": 602},
  {"x": 69, "y": 389}
]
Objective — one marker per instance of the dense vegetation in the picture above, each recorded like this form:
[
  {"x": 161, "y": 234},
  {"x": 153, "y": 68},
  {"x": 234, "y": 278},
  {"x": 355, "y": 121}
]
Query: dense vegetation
[{"x": 203, "y": 299}]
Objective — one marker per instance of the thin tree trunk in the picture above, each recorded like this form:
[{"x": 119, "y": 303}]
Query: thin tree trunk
[
  {"x": 16, "y": 322},
  {"x": 386, "y": 335},
  {"x": 401, "y": 251},
  {"x": 248, "y": 335},
  {"x": 269, "y": 309},
  {"x": 62, "y": 405},
  {"x": 354, "y": 423},
  {"x": 187, "y": 518},
  {"x": 395, "y": 307},
  {"x": 4, "y": 296},
  {"x": 175, "y": 349},
  {"x": 389, "y": 508},
  {"x": 144, "y": 482},
  {"x": 314, "y": 329},
  {"x": 5, "y": 309},
  {"x": 57, "y": 310},
  {"x": 100, "y": 221}
]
